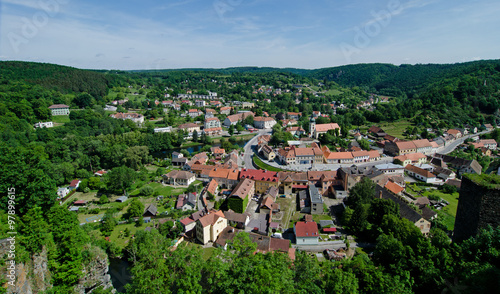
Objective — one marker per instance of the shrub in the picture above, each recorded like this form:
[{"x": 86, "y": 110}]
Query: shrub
[{"x": 146, "y": 191}]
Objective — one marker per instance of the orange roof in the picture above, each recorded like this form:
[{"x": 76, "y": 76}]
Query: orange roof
[
  {"x": 327, "y": 127},
  {"x": 259, "y": 175},
  {"x": 405, "y": 145},
  {"x": 360, "y": 153},
  {"x": 340, "y": 155},
  {"x": 420, "y": 171},
  {"x": 373, "y": 154},
  {"x": 394, "y": 188},
  {"x": 306, "y": 229},
  {"x": 422, "y": 143},
  {"x": 453, "y": 132},
  {"x": 212, "y": 186}
]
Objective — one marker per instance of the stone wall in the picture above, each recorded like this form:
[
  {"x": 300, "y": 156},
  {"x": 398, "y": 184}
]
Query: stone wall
[{"x": 478, "y": 207}]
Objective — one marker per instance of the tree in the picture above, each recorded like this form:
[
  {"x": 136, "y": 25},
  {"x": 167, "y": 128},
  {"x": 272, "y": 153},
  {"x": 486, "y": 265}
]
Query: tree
[
  {"x": 231, "y": 130},
  {"x": 108, "y": 224},
  {"x": 135, "y": 209},
  {"x": 135, "y": 156},
  {"x": 120, "y": 178},
  {"x": 146, "y": 191},
  {"x": 195, "y": 136},
  {"x": 83, "y": 100},
  {"x": 239, "y": 128}
]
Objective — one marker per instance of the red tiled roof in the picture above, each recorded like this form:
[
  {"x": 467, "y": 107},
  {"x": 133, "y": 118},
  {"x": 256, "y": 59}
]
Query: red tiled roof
[
  {"x": 394, "y": 188},
  {"x": 259, "y": 175},
  {"x": 306, "y": 229}
]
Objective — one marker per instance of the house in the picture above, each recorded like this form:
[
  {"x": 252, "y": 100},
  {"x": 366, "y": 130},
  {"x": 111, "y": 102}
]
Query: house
[
  {"x": 315, "y": 199},
  {"x": 306, "y": 233},
  {"x": 59, "y": 109},
  {"x": 100, "y": 173},
  {"x": 294, "y": 115},
  {"x": 190, "y": 128},
  {"x": 163, "y": 130},
  {"x": 423, "y": 146},
  {"x": 186, "y": 202},
  {"x": 377, "y": 131},
  {"x": 199, "y": 103},
  {"x": 412, "y": 158},
  {"x": 189, "y": 223},
  {"x": 317, "y": 129},
  {"x": 400, "y": 148},
  {"x": 360, "y": 156},
  {"x": 225, "y": 110},
  {"x": 179, "y": 178},
  {"x": 240, "y": 197},
  {"x": 194, "y": 112},
  {"x": 296, "y": 131},
  {"x": 235, "y": 118},
  {"x": 73, "y": 185},
  {"x": 212, "y": 122},
  {"x": 268, "y": 152},
  {"x": 488, "y": 127},
  {"x": 213, "y": 188},
  {"x": 390, "y": 169},
  {"x": 225, "y": 177},
  {"x": 135, "y": 117},
  {"x": 263, "y": 178},
  {"x": 209, "y": 113},
  {"x": 286, "y": 156},
  {"x": 463, "y": 166},
  {"x": 489, "y": 143},
  {"x": 48, "y": 124},
  {"x": 394, "y": 188},
  {"x": 209, "y": 226},
  {"x": 336, "y": 157},
  {"x": 455, "y": 133},
  {"x": 405, "y": 210},
  {"x": 150, "y": 211},
  {"x": 238, "y": 220},
  {"x": 291, "y": 182},
  {"x": 325, "y": 182},
  {"x": 213, "y": 131},
  {"x": 62, "y": 192},
  {"x": 217, "y": 151},
  {"x": 261, "y": 122},
  {"x": 420, "y": 174},
  {"x": 179, "y": 161},
  {"x": 444, "y": 173},
  {"x": 308, "y": 155},
  {"x": 268, "y": 204},
  {"x": 303, "y": 203}
]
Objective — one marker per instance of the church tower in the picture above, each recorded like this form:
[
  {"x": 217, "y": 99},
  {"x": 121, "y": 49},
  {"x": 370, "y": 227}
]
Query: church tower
[{"x": 312, "y": 128}]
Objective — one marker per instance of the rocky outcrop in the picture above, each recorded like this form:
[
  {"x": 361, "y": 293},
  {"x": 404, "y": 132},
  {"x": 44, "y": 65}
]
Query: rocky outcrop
[
  {"x": 95, "y": 272},
  {"x": 34, "y": 276}
]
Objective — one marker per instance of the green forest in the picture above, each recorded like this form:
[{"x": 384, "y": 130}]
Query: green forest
[{"x": 36, "y": 161}]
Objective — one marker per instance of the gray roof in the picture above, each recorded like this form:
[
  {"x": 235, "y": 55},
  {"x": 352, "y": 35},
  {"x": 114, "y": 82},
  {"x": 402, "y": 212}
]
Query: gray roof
[
  {"x": 404, "y": 210},
  {"x": 122, "y": 199},
  {"x": 151, "y": 209},
  {"x": 324, "y": 223},
  {"x": 302, "y": 194},
  {"x": 191, "y": 198},
  {"x": 314, "y": 194}
]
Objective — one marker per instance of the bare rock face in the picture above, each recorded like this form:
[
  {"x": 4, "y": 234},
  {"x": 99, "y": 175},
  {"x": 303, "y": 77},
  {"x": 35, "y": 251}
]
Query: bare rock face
[
  {"x": 95, "y": 271},
  {"x": 34, "y": 276},
  {"x": 31, "y": 277}
]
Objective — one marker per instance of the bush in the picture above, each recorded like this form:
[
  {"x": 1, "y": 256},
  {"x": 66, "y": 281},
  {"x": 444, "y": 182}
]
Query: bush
[
  {"x": 104, "y": 199},
  {"x": 86, "y": 190},
  {"x": 95, "y": 211},
  {"x": 146, "y": 191}
]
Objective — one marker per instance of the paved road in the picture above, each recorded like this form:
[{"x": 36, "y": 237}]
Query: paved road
[
  {"x": 451, "y": 146},
  {"x": 249, "y": 151},
  {"x": 324, "y": 245}
]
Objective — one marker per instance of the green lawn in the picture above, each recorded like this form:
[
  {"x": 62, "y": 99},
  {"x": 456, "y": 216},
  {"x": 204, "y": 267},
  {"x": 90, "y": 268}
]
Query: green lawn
[
  {"x": 451, "y": 198},
  {"x": 333, "y": 92},
  {"x": 318, "y": 217},
  {"x": 60, "y": 119},
  {"x": 119, "y": 238},
  {"x": 263, "y": 165},
  {"x": 395, "y": 129}
]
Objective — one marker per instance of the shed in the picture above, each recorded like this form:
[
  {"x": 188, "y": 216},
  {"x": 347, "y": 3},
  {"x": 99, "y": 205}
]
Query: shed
[
  {"x": 122, "y": 199},
  {"x": 150, "y": 211},
  {"x": 325, "y": 223},
  {"x": 147, "y": 219},
  {"x": 329, "y": 230},
  {"x": 74, "y": 208},
  {"x": 80, "y": 202}
]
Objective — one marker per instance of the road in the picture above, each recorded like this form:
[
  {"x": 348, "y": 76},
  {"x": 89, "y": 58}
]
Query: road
[
  {"x": 249, "y": 151},
  {"x": 451, "y": 146}
]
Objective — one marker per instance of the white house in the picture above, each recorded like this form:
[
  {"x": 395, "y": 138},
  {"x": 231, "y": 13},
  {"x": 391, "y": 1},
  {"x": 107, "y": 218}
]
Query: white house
[
  {"x": 59, "y": 109},
  {"x": 261, "y": 122},
  {"x": 210, "y": 226},
  {"x": 421, "y": 174},
  {"x": 306, "y": 233},
  {"x": 48, "y": 124}
]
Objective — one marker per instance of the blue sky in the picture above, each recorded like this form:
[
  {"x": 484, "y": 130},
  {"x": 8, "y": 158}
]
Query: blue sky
[{"x": 151, "y": 34}]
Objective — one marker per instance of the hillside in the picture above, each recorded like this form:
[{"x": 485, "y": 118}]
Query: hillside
[{"x": 57, "y": 77}]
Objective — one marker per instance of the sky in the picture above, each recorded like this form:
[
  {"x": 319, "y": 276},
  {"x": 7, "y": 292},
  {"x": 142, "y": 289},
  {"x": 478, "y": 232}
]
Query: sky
[{"x": 153, "y": 34}]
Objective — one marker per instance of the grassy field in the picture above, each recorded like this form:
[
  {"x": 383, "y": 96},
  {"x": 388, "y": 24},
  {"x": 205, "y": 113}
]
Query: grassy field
[
  {"x": 395, "y": 129},
  {"x": 333, "y": 92},
  {"x": 118, "y": 237},
  {"x": 60, "y": 119},
  {"x": 265, "y": 166}
]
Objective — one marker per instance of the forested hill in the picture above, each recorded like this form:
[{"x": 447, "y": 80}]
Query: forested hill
[
  {"x": 231, "y": 70},
  {"x": 408, "y": 79},
  {"x": 57, "y": 77}
]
